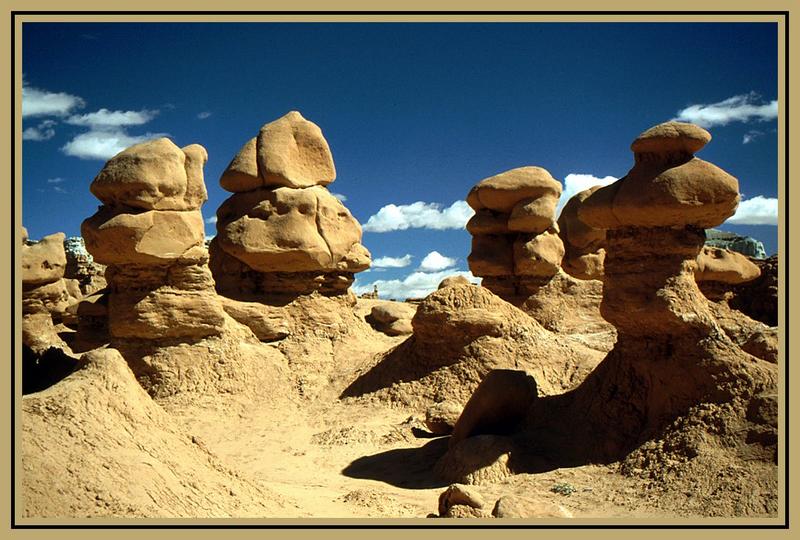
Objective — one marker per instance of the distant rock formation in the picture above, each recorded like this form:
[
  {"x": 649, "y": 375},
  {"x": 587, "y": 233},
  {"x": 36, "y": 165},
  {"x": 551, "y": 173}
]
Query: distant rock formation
[
  {"x": 745, "y": 245},
  {"x": 45, "y": 293},
  {"x": 150, "y": 232},
  {"x": 282, "y": 234},
  {"x": 81, "y": 266},
  {"x": 674, "y": 375}
]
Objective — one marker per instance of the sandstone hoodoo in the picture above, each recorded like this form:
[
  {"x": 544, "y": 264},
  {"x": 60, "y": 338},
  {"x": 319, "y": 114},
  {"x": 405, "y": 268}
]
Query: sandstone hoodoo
[
  {"x": 515, "y": 242},
  {"x": 282, "y": 233},
  {"x": 674, "y": 376},
  {"x": 150, "y": 233},
  {"x": 517, "y": 250},
  {"x": 44, "y": 291}
]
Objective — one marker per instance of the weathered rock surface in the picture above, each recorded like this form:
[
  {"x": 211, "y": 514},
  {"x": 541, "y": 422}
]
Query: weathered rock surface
[
  {"x": 584, "y": 246},
  {"x": 153, "y": 175},
  {"x": 441, "y": 417},
  {"x": 282, "y": 234},
  {"x": 44, "y": 261},
  {"x": 393, "y": 318},
  {"x": 674, "y": 377}
]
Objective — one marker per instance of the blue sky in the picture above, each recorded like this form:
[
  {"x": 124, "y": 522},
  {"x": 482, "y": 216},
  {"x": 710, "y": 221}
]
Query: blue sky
[{"x": 415, "y": 114}]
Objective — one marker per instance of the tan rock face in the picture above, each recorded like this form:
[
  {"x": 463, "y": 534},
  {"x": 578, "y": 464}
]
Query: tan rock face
[
  {"x": 44, "y": 261},
  {"x": 671, "y": 137},
  {"x": 282, "y": 233},
  {"x": 153, "y": 176},
  {"x": 725, "y": 266},
  {"x": 154, "y": 237},
  {"x": 242, "y": 172},
  {"x": 538, "y": 256},
  {"x": 584, "y": 252},
  {"x": 291, "y": 151},
  {"x": 503, "y": 191},
  {"x": 289, "y": 230}
]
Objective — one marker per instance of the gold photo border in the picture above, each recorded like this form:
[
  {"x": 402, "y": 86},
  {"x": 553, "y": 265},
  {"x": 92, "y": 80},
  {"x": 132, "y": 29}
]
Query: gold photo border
[{"x": 450, "y": 11}]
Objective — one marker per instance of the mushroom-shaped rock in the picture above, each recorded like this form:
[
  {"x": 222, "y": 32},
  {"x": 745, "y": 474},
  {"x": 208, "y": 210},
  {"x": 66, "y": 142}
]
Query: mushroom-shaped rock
[
  {"x": 153, "y": 175},
  {"x": 503, "y": 191},
  {"x": 291, "y": 151},
  {"x": 665, "y": 192},
  {"x": 724, "y": 266},
  {"x": 44, "y": 261},
  {"x": 671, "y": 138},
  {"x": 453, "y": 281}
]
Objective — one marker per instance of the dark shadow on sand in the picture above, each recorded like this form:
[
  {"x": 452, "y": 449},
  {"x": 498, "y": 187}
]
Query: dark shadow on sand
[{"x": 410, "y": 468}]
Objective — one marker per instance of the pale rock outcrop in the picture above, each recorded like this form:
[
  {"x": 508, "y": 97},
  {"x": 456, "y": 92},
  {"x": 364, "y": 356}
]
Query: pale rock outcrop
[{"x": 282, "y": 233}]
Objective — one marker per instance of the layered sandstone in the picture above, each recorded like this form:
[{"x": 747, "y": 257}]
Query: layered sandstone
[{"x": 282, "y": 233}]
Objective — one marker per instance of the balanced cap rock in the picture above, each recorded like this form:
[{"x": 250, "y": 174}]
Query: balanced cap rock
[
  {"x": 282, "y": 232},
  {"x": 516, "y": 248},
  {"x": 150, "y": 233}
]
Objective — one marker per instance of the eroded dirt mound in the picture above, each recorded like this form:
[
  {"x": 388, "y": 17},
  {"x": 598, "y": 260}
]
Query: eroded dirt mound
[
  {"x": 461, "y": 333},
  {"x": 95, "y": 444}
]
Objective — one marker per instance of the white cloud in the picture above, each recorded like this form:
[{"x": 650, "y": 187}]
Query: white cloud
[
  {"x": 104, "y": 144},
  {"x": 211, "y": 220},
  {"x": 36, "y": 102},
  {"x": 43, "y": 132},
  {"x": 392, "y": 262},
  {"x": 203, "y": 115},
  {"x": 415, "y": 285},
  {"x": 419, "y": 215},
  {"x": 56, "y": 180},
  {"x": 59, "y": 189},
  {"x": 574, "y": 183},
  {"x": 210, "y": 237},
  {"x": 751, "y": 135},
  {"x": 104, "y": 118},
  {"x": 436, "y": 262},
  {"x": 756, "y": 211},
  {"x": 743, "y": 108},
  {"x": 342, "y": 198}
]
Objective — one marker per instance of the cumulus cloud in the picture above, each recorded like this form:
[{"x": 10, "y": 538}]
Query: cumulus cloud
[
  {"x": 742, "y": 108},
  {"x": 415, "y": 285},
  {"x": 756, "y": 211},
  {"x": 392, "y": 262},
  {"x": 105, "y": 119},
  {"x": 574, "y": 183},
  {"x": 419, "y": 215},
  {"x": 203, "y": 115},
  {"x": 211, "y": 220},
  {"x": 436, "y": 262},
  {"x": 342, "y": 198},
  {"x": 43, "y": 132},
  {"x": 104, "y": 144},
  {"x": 36, "y": 102}
]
